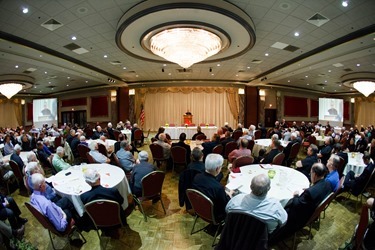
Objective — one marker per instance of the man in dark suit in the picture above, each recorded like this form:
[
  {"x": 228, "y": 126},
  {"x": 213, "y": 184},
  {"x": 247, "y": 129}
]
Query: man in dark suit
[
  {"x": 305, "y": 165},
  {"x": 274, "y": 151},
  {"x": 227, "y": 138},
  {"x": 357, "y": 183},
  {"x": 301, "y": 207},
  {"x": 361, "y": 144},
  {"x": 98, "y": 132},
  {"x": 197, "y": 160},
  {"x": 139, "y": 171},
  {"x": 181, "y": 143},
  {"x": 326, "y": 151},
  {"x": 288, "y": 147}
]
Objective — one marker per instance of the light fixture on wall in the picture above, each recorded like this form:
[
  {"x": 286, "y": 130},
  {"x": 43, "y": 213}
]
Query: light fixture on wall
[
  {"x": 11, "y": 84},
  {"x": 241, "y": 91},
  {"x": 352, "y": 100},
  {"x": 23, "y": 102},
  {"x": 363, "y": 82},
  {"x": 262, "y": 94},
  {"x": 131, "y": 91},
  {"x": 185, "y": 45},
  {"x": 113, "y": 95}
]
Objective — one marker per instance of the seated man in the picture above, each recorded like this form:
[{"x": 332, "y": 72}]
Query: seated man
[
  {"x": 97, "y": 192},
  {"x": 333, "y": 176},
  {"x": 196, "y": 160},
  {"x": 227, "y": 138},
  {"x": 326, "y": 151},
  {"x": 98, "y": 157},
  {"x": 305, "y": 165},
  {"x": 268, "y": 210},
  {"x": 361, "y": 144},
  {"x": 301, "y": 207},
  {"x": 268, "y": 158},
  {"x": 209, "y": 186},
  {"x": 42, "y": 155},
  {"x": 10, "y": 210},
  {"x": 199, "y": 132},
  {"x": 33, "y": 168},
  {"x": 242, "y": 151},
  {"x": 59, "y": 213},
  {"x": 357, "y": 183},
  {"x": 288, "y": 148},
  {"x": 166, "y": 147},
  {"x": 16, "y": 157},
  {"x": 139, "y": 171},
  {"x": 58, "y": 162},
  {"x": 98, "y": 132},
  {"x": 181, "y": 143},
  {"x": 48, "y": 149},
  {"x": 126, "y": 158},
  {"x": 209, "y": 146}
]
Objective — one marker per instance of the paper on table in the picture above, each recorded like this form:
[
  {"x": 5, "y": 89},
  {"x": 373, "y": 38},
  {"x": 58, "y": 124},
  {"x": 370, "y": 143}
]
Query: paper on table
[
  {"x": 232, "y": 185},
  {"x": 266, "y": 166}
]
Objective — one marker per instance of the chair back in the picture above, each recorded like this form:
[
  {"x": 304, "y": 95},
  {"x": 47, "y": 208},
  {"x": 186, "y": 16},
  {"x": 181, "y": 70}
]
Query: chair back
[
  {"x": 202, "y": 205},
  {"x": 268, "y": 134},
  {"x": 320, "y": 208},
  {"x": 234, "y": 237},
  {"x": 294, "y": 151},
  {"x": 242, "y": 161},
  {"x": 278, "y": 159},
  {"x": 218, "y": 149},
  {"x": 82, "y": 150},
  {"x": 184, "y": 183},
  {"x": 229, "y": 147},
  {"x": 148, "y": 133},
  {"x": 68, "y": 152},
  {"x": 251, "y": 145},
  {"x": 116, "y": 133},
  {"x": 152, "y": 184},
  {"x": 257, "y": 134},
  {"x": 236, "y": 135},
  {"x": 178, "y": 155},
  {"x": 102, "y": 149},
  {"x": 153, "y": 139},
  {"x": 157, "y": 152},
  {"x": 362, "y": 227},
  {"x": 201, "y": 137},
  {"x": 312, "y": 139},
  {"x": 90, "y": 158},
  {"x": 16, "y": 170},
  {"x": 138, "y": 135},
  {"x": 58, "y": 141},
  {"x": 168, "y": 137},
  {"x": 367, "y": 182},
  {"x": 104, "y": 213},
  {"x": 115, "y": 160},
  {"x": 341, "y": 167}
]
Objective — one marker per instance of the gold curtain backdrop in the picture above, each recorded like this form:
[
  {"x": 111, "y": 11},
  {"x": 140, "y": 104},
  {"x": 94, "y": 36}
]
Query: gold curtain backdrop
[
  {"x": 11, "y": 113},
  {"x": 364, "y": 111},
  {"x": 168, "y": 104}
]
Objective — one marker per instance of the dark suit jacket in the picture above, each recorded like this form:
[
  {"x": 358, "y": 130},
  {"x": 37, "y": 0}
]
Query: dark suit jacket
[
  {"x": 225, "y": 141},
  {"x": 326, "y": 153},
  {"x": 197, "y": 165},
  {"x": 139, "y": 171},
  {"x": 288, "y": 148},
  {"x": 307, "y": 164},
  {"x": 361, "y": 145},
  {"x": 185, "y": 182},
  {"x": 97, "y": 135},
  {"x": 361, "y": 180},
  {"x": 269, "y": 157},
  {"x": 196, "y": 134},
  {"x": 207, "y": 147},
  {"x": 187, "y": 147}
]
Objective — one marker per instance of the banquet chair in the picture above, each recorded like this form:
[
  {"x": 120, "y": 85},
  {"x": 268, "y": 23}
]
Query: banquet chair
[
  {"x": 218, "y": 149},
  {"x": 310, "y": 140},
  {"x": 138, "y": 134},
  {"x": 152, "y": 185},
  {"x": 278, "y": 159},
  {"x": 257, "y": 134},
  {"x": 172, "y": 125},
  {"x": 68, "y": 153},
  {"x": 145, "y": 138},
  {"x": 250, "y": 145},
  {"x": 362, "y": 193},
  {"x": 236, "y": 135},
  {"x": 293, "y": 154},
  {"x": 211, "y": 124},
  {"x": 241, "y": 161},
  {"x": 90, "y": 159},
  {"x": 104, "y": 214},
  {"x": 185, "y": 182},
  {"x": 243, "y": 231},
  {"x": 341, "y": 167},
  {"x": 116, "y": 133},
  {"x": 89, "y": 133},
  {"x": 82, "y": 150},
  {"x": 229, "y": 147},
  {"x": 7, "y": 179},
  {"x": 45, "y": 222},
  {"x": 362, "y": 228},
  {"x": 202, "y": 124},
  {"x": 192, "y": 125},
  {"x": 58, "y": 141},
  {"x": 178, "y": 155},
  {"x": 102, "y": 149},
  {"x": 201, "y": 137},
  {"x": 157, "y": 154},
  {"x": 204, "y": 209},
  {"x": 17, "y": 172}
]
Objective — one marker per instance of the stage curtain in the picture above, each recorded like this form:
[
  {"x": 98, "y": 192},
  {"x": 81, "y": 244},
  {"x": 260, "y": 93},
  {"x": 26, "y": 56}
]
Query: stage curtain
[
  {"x": 167, "y": 105},
  {"x": 11, "y": 113},
  {"x": 364, "y": 111}
]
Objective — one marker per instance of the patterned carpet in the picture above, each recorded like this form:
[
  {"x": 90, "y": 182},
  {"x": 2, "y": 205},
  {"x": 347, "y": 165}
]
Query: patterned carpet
[{"x": 172, "y": 231}]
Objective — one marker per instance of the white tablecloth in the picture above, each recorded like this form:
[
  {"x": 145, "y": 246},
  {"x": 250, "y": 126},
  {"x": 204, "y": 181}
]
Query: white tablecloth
[
  {"x": 285, "y": 182},
  {"x": 73, "y": 185},
  {"x": 355, "y": 163},
  {"x": 194, "y": 144},
  {"x": 175, "y": 132},
  {"x": 264, "y": 143},
  {"x": 23, "y": 156},
  {"x": 319, "y": 140},
  {"x": 128, "y": 134}
]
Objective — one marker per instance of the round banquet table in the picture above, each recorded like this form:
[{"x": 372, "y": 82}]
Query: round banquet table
[
  {"x": 23, "y": 156},
  {"x": 265, "y": 143},
  {"x": 285, "y": 182},
  {"x": 73, "y": 184}
]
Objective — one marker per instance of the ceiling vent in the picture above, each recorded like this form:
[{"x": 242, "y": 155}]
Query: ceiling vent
[
  {"x": 29, "y": 70},
  {"x": 115, "y": 62},
  {"x": 256, "y": 61},
  {"x": 291, "y": 48},
  {"x": 52, "y": 24},
  {"x": 184, "y": 71},
  {"x": 51, "y": 77},
  {"x": 76, "y": 48},
  {"x": 322, "y": 84},
  {"x": 318, "y": 20},
  {"x": 348, "y": 70}
]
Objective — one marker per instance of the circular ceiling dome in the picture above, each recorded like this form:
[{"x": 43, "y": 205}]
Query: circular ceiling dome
[{"x": 142, "y": 22}]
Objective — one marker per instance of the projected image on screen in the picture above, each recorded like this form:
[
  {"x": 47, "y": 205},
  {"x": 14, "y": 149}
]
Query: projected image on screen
[
  {"x": 331, "y": 110},
  {"x": 44, "y": 112}
]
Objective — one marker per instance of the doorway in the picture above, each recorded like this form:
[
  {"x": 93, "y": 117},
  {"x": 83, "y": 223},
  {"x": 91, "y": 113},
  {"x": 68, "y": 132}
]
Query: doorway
[
  {"x": 269, "y": 117},
  {"x": 73, "y": 117}
]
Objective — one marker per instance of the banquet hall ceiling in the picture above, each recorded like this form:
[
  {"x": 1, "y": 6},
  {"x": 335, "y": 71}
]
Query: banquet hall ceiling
[{"x": 313, "y": 61}]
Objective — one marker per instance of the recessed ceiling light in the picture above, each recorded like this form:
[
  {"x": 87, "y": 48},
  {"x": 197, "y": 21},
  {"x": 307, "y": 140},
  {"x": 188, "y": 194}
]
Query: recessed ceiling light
[
  {"x": 169, "y": 74},
  {"x": 40, "y": 91},
  {"x": 218, "y": 64},
  {"x": 40, "y": 55},
  {"x": 34, "y": 87},
  {"x": 322, "y": 87},
  {"x": 105, "y": 56},
  {"x": 325, "y": 81},
  {"x": 339, "y": 85},
  {"x": 296, "y": 33},
  {"x": 67, "y": 85},
  {"x": 236, "y": 75},
  {"x": 86, "y": 81},
  {"x": 136, "y": 75},
  {"x": 164, "y": 65},
  {"x": 306, "y": 76},
  {"x": 266, "y": 54},
  {"x": 123, "y": 67},
  {"x": 49, "y": 82},
  {"x": 16, "y": 66},
  {"x": 248, "y": 67},
  {"x": 329, "y": 71},
  {"x": 288, "y": 80},
  {"x": 307, "y": 83},
  {"x": 212, "y": 74},
  {"x": 74, "y": 38},
  {"x": 344, "y": 3},
  {"x": 25, "y": 10},
  {"x": 68, "y": 77},
  {"x": 45, "y": 72},
  {"x": 335, "y": 90},
  {"x": 358, "y": 64}
]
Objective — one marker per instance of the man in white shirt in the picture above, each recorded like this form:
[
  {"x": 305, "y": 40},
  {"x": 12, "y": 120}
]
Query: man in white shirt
[{"x": 98, "y": 157}]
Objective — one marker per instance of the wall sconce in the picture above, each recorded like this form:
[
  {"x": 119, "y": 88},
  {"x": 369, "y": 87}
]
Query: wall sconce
[
  {"x": 113, "y": 95},
  {"x": 131, "y": 91},
  {"x": 262, "y": 94},
  {"x": 352, "y": 100},
  {"x": 22, "y": 101},
  {"x": 241, "y": 91}
]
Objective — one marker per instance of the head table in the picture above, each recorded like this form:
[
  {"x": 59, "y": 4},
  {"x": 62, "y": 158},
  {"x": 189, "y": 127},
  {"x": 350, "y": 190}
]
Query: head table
[
  {"x": 285, "y": 182},
  {"x": 175, "y": 132},
  {"x": 71, "y": 183}
]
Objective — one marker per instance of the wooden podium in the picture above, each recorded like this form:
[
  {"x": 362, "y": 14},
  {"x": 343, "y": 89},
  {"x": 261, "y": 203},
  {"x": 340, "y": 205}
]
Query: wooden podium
[{"x": 188, "y": 119}]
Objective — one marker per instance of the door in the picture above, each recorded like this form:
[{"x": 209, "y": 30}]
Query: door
[{"x": 269, "y": 117}]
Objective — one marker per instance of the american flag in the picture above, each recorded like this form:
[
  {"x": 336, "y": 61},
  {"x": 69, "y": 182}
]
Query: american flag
[{"x": 142, "y": 116}]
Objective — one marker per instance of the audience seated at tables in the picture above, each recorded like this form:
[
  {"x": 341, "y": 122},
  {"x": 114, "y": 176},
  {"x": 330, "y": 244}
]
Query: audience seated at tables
[
  {"x": 288, "y": 148},
  {"x": 8, "y": 145},
  {"x": 276, "y": 131},
  {"x": 266, "y": 209},
  {"x": 59, "y": 213},
  {"x": 286, "y": 136},
  {"x": 326, "y": 151},
  {"x": 245, "y": 135},
  {"x": 199, "y": 132},
  {"x": 139, "y": 171},
  {"x": 305, "y": 165},
  {"x": 208, "y": 184},
  {"x": 252, "y": 129},
  {"x": 135, "y": 127},
  {"x": 82, "y": 141},
  {"x": 70, "y": 136},
  {"x": 92, "y": 177},
  {"x": 182, "y": 143},
  {"x": 196, "y": 160},
  {"x": 98, "y": 157},
  {"x": 98, "y": 132},
  {"x": 333, "y": 176},
  {"x": 25, "y": 143},
  {"x": 209, "y": 146},
  {"x": 337, "y": 149},
  {"x": 43, "y": 157},
  {"x": 268, "y": 158},
  {"x": 48, "y": 149},
  {"x": 16, "y": 157},
  {"x": 356, "y": 183},
  {"x": 242, "y": 151},
  {"x": 116, "y": 147},
  {"x": 110, "y": 132},
  {"x": 166, "y": 147},
  {"x": 58, "y": 162},
  {"x": 126, "y": 158},
  {"x": 74, "y": 143},
  {"x": 227, "y": 138},
  {"x": 361, "y": 144},
  {"x": 301, "y": 207}
]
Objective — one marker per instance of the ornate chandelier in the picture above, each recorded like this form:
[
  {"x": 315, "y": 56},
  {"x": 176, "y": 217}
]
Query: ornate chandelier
[
  {"x": 365, "y": 87},
  {"x": 185, "y": 46},
  {"x": 10, "y": 89}
]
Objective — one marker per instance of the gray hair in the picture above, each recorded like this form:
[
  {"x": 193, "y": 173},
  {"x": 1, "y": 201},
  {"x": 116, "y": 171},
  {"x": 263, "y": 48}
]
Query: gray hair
[
  {"x": 143, "y": 156},
  {"x": 335, "y": 160},
  {"x": 293, "y": 135},
  {"x": 91, "y": 176},
  {"x": 196, "y": 154},
  {"x": 31, "y": 167},
  {"x": 17, "y": 147},
  {"x": 37, "y": 179},
  {"x": 213, "y": 161},
  {"x": 162, "y": 137},
  {"x": 31, "y": 157},
  {"x": 275, "y": 137},
  {"x": 260, "y": 185},
  {"x": 59, "y": 150},
  {"x": 314, "y": 148},
  {"x": 82, "y": 138},
  {"x": 92, "y": 145},
  {"x": 252, "y": 127},
  {"x": 45, "y": 140},
  {"x": 124, "y": 144}
]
